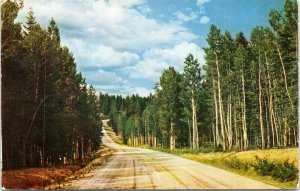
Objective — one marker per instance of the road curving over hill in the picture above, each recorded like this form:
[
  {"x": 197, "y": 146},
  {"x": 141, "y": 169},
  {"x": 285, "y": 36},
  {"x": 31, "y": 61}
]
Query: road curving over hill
[{"x": 138, "y": 168}]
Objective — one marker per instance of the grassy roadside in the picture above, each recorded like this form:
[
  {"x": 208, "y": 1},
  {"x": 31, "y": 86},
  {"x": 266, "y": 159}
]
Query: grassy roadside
[
  {"x": 112, "y": 135},
  {"x": 243, "y": 163}
]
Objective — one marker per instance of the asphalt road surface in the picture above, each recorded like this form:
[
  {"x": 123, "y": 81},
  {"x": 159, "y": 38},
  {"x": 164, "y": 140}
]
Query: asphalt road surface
[{"x": 137, "y": 168}]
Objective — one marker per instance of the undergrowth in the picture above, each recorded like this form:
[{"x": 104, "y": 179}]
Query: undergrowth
[
  {"x": 283, "y": 172},
  {"x": 277, "y": 166}
]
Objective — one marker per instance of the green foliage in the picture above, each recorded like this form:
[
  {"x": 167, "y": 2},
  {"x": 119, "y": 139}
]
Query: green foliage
[
  {"x": 246, "y": 99},
  {"x": 55, "y": 108},
  {"x": 47, "y": 107},
  {"x": 234, "y": 162},
  {"x": 168, "y": 97},
  {"x": 285, "y": 171},
  {"x": 252, "y": 81},
  {"x": 263, "y": 166}
]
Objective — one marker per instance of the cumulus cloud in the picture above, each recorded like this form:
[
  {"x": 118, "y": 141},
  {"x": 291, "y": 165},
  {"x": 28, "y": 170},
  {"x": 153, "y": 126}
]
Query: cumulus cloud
[
  {"x": 109, "y": 82},
  {"x": 204, "y": 20},
  {"x": 155, "y": 60},
  {"x": 102, "y": 77},
  {"x": 100, "y": 56},
  {"x": 186, "y": 18},
  {"x": 112, "y": 23},
  {"x": 112, "y": 34},
  {"x": 202, "y": 2},
  {"x": 144, "y": 9},
  {"x": 124, "y": 3},
  {"x": 107, "y": 57}
]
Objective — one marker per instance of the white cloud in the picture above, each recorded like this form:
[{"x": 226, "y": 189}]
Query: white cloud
[
  {"x": 144, "y": 9},
  {"x": 108, "y": 57},
  {"x": 204, "y": 20},
  {"x": 138, "y": 90},
  {"x": 155, "y": 60},
  {"x": 109, "y": 82},
  {"x": 150, "y": 68},
  {"x": 202, "y": 2},
  {"x": 101, "y": 77},
  {"x": 124, "y": 3},
  {"x": 115, "y": 23},
  {"x": 104, "y": 35},
  {"x": 100, "y": 56},
  {"x": 123, "y": 90},
  {"x": 185, "y": 18}
]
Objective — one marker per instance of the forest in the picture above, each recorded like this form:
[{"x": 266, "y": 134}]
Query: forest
[
  {"x": 244, "y": 97},
  {"x": 50, "y": 115}
]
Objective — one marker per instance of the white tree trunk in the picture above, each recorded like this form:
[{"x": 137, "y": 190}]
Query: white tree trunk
[
  {"x": 195, "y": 125},
  {"x": 217, "y": 116},
  {"x": 220, "y": 105},
  {"x": 245, "y": 136},
  {"x": 172, "y": 137},
  {"x": 262, "y": 132},
  {"x": 285, "y": 79}
]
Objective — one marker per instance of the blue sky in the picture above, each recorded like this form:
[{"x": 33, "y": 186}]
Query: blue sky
[{"x": 122, "y": 46}]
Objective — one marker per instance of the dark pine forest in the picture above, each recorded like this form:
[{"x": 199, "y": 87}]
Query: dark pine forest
[{"x": 48, "y": 110}]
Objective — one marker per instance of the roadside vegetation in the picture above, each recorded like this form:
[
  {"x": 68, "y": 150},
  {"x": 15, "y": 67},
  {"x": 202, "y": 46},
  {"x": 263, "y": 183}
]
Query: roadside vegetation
[
  {"x": 55, "y": 177},
  {"x": 278, "y": 167},
  {"x": 99, "y": 158},
  {"x": 109, "y": 130},
  {"x": 36, "y": 178}
]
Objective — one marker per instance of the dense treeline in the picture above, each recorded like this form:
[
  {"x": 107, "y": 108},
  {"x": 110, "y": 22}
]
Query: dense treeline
[
  {"x": 254, "y": 83},
  {"x": 245, "y": 98},
  {"x": 49, "y": 114},
  {"x": 125, "y": 114}
]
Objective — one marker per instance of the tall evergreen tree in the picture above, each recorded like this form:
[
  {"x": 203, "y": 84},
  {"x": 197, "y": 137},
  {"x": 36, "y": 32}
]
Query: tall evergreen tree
[
  {"x": 191, "y": 84},
  {"x": 169, "y": 97}
]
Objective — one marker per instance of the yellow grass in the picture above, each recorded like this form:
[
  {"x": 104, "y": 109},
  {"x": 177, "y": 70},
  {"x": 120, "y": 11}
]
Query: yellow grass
[
  {"x": 277, "y": 155},
  {"x": 112, "y": 134},
  {"x": 219, "y": 159}
]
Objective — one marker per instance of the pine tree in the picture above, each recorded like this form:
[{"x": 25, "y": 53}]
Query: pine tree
[
  {"x": 191, "y": 84},
  {"x": 169, "y": 95}
]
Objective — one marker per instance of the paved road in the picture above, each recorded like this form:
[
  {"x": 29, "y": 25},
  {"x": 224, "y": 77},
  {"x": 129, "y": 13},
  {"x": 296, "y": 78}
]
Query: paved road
[{"x": 137, "y": 168}]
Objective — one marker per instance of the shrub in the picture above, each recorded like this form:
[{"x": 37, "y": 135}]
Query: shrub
[
  {"x": 206, "y": 149},
  {"x": 263, "y": 167},
  {"x": 235, "y": 163},
  {"x": 285, "y": 172}
]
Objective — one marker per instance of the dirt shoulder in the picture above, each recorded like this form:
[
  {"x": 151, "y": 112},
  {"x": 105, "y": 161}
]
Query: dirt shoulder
[
  {"x": 52, "y": 177},
  {"x": 102, "y": 156},
  {"x": 36, "y": 178}
]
